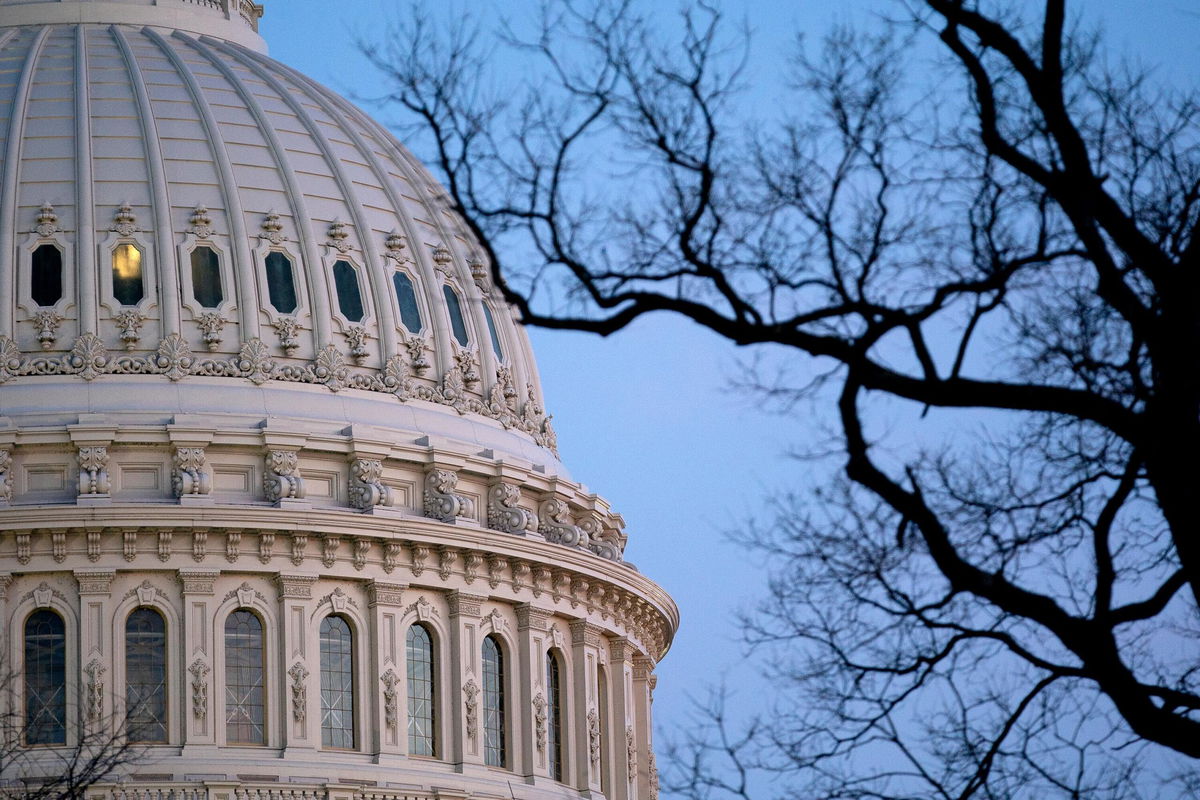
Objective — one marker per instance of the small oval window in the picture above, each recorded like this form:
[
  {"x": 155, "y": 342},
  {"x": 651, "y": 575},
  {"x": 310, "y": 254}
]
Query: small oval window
[
  {"x": 281, "y": 284},
  {"x": 46, "y": 284},
  {"x": 206, "y": 277},
  {"x": 457, "y": 323},
  {"x": 345, "y": 280},
  {"x": 127, "y": 275},
  {"x": 491, "y": 323},
  {"x": 406, "y": 299}
]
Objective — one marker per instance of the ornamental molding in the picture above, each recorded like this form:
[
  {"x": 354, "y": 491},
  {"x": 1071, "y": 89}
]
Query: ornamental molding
[
  {"x": 94, "y": 691},
  {"x": 423, "y": 609},
  {"x": 43, "y": 595},
  {"x": 631, "y": 752},
  {"x": 198, "y": 581},
  {"x": 146, "y": 593},
  {"x": 539, "y": 720},
  {"x": 298, "y": 587},
  {"x": 471, "y": 706},
  {"x": 90, "y": 359},
  {"x": 593, "y": 729},
  {"x": 5, "y": 476},
  {"x": 338, "y": 600},
  {"x": 391, "y": 701},
  {"x": 246, "y": 595},
  {"x": 385, "y": 594},
  {"x": 47, "y": 222},
  {"x": 95, "y": 581},
  {"x": 463, "y": 604},
  {"x": 199, "y": 670},
  {"x": 299, "y": 675}
]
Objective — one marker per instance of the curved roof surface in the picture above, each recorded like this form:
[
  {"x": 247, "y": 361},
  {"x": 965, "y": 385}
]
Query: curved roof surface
[{"x": 175, "y": 203}]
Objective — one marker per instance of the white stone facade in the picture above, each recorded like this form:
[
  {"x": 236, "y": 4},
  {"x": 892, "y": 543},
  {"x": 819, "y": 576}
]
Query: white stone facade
[{"x": 179, "y": 433}]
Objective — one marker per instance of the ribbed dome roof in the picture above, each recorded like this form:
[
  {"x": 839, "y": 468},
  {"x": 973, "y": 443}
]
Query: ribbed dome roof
[{"x": 176, "y": 204}]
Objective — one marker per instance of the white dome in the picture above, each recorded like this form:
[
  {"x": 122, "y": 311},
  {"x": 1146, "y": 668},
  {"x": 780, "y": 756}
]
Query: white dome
[
  {"x": 251, "y": 376},
  {"x": 186, "y": 142}
]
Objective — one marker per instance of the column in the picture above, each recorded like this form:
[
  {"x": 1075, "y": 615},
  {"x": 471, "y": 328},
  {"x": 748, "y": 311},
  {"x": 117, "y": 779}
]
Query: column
[
  {"x": 466, "y": 682},
  {"x": 531, "y": 679},
  {"x": 643, "y": 667},
  {"x": 199, "y": 651},
  {"x": 385, "y": 603},
  {"x": 585, "y": 715},
  {"x": 300, "y": 688}
]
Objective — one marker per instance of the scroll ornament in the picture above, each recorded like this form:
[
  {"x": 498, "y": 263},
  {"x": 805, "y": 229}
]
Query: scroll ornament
[
  {"x": 441, "y": 502},
  {"x": 282, "y": 478}
]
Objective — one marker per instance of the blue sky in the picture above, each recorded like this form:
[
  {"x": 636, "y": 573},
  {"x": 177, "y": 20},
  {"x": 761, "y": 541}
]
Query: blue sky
[{"x": 647, "y": 417}]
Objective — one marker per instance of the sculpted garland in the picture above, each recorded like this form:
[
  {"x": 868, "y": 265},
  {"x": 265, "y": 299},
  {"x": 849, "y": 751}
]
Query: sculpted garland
[{"x": 89, "y": 359}]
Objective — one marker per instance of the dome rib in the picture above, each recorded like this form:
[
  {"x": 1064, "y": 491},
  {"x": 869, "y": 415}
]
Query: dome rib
[
  {"x": 318, "y": 287},
  {"x": 243, "y": 260},
  {"x": 168, "y": 279},
  {"x": 88, "y": 296},
  {"x": 12, "y": 177},
  {"x": 368, "y": 245}
]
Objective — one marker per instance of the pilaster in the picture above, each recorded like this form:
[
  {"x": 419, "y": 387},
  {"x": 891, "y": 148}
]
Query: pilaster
[
  {"x": 299, "y": 691},
  {"x": 385, "y": 603},
  {"x": 584, "y": 718},
  {"x": 199, "y": 652},
  {"x": 530, "y": 708},
  {"x": 465, "y": 679},
  {"x": 642, "y": 676},
  {"x": 620, "y": 654}
]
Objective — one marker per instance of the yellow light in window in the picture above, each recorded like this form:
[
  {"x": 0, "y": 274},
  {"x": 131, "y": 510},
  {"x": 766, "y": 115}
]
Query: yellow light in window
[{"x": 127, "y": 262}]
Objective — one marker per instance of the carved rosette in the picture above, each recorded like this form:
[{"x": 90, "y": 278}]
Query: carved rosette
[
  {"x": 299, "y": 675},
  {"x": 471, "y": 706},
  {"x": 282, "y": 478},
  {"x": 199, "y": 670},
  {"x": 93, "y": 471},
  {"x": 441, "y": 502},
  {"x": 189, "y": 473},
  {"x": 366, "y": 484},
  {"x": 505, "y": 513}
]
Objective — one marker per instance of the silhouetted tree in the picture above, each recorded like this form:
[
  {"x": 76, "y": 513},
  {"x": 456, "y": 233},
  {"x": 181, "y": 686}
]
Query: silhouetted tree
[{"x": 970, "y": 221}]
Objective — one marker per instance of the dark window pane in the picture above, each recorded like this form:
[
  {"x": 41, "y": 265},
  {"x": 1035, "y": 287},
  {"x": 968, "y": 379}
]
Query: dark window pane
[
  {"x": 281, "y": 283},
  {"x": 127, "y": 275},
  {"x": 46, "y": 277},
  {"x": 554, "y": 714},
  {"x": 245, "y": 702},
  {"x": 345, "y": 280},
  {"x": 494, "y": 754},
  {"x": 457, "y": 323},
  {"x": 337, "y": 684},
  {"x": 406, "y": 298},
  {"x": 45, "y": 679},
  {"x": 421, "y": 717},
  {"x": 491, "y": 323},
  {"x": 146, "y": 676},
  {"x": 206, "y": 277}
]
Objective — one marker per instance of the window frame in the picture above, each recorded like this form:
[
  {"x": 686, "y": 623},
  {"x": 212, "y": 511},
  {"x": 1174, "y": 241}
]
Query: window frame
[
  {"x": 24, "y": 287},
  {"x": 165, "y": 684},
  {"x": 356, "y": 699},
  {"x": 448, "y": 286},
  {"x": 435, "y": 694},
  {"x": 299, "y": 276},
  {"x": 266, "y": 686},
  {"x": 335, "y": 298},
  {"x": 556, "y": 717},
  {"x": 505, "y": 674},
  {"x": 150, "y": 266},
  {"x": 18, "y": 645},
  {"x": 394, "y": 298},
  {"x": 224, "y": 268}
]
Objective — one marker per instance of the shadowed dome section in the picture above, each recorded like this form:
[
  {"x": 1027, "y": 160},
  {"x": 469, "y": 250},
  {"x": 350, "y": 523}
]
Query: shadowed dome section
[{"x": 177, "y": 204}]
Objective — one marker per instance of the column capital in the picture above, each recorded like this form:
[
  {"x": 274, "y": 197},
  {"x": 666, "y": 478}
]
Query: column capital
[
  {"x": 295, "y": 585},
  {"x": 196, "y": 581},
  {"x": 464, "y": 604},
  {"x": 529, "y": 616},
  {"x": 385, "y": 593},
  {"x": 94, "y": 581}
]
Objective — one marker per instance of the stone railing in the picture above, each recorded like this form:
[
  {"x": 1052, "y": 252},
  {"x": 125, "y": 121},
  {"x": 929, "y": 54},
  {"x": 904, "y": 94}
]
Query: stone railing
[{"x": 221, "y": 790}]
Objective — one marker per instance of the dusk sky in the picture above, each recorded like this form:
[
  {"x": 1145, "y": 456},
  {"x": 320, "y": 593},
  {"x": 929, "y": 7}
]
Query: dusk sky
[{"x": 647, "y": 418}]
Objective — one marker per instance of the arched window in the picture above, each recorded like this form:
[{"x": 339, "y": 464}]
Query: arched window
[
  {"x": 128, "y": 288},
  {"x": 46, "y": 275},
  {"x": 494, "y": 751},
  {"x": 245, "y": 699},
  {"x": 206, "y": 277},
  {"x": 146, "y": 676},
  {"x": 554, "y": 714},
  {"x": 349, "y": 295},
  {"x": 406, "y": 299},
  {"x": 457, "y": 324},
  {"x": 421, "y": 717},
  {"x": 337, "y": 683},
  {"x": 281, "y": 283},
  {"x": 491, "y": 324},
  {"x": 45, "y": 679}
]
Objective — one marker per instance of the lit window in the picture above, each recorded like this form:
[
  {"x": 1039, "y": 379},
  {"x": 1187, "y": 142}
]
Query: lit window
[
  {"x": 494, "y": 754},
  {"x": 146, "y": 676},
  {"x": 127, "y": 275},
  {"x": 457, "y": 323},
  {"x": 281, "y": 283},
  {"x": 491, "y": 323},
  {"x": 345, "y": 280},
  {"x": 45, "y": 672},
  {"x": 245, "y": 701},
  {"x": 406, "y": 299},
  {"x": 554, "y": 717},
  {"x": 206, "y": 277},
  {"x": 46, "y": 277},
  {"x": 421, "y": 718},
  {"x": 337, "y": 683}
]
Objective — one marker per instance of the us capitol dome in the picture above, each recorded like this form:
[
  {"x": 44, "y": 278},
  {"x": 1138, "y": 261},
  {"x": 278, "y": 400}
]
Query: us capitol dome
[{"x": 280, "y": 498}]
